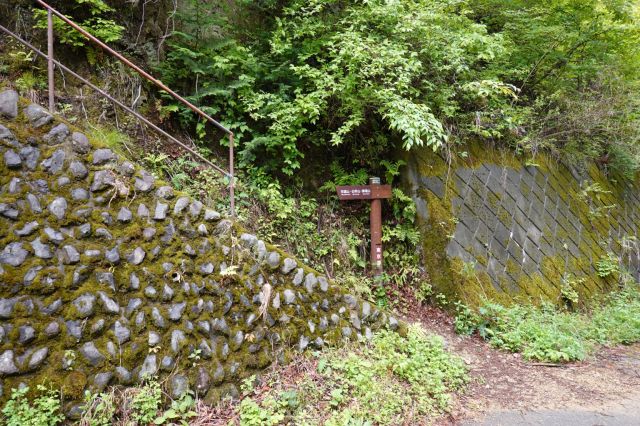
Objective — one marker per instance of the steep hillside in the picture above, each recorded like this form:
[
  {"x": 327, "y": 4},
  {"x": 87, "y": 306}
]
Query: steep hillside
[{"x": 108, "y": 275}]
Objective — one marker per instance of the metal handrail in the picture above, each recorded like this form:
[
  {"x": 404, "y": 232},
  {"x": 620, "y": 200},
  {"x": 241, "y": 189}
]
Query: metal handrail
[
  {"x": 51, "y": 61},
  {"x": 112, "y": 99}
]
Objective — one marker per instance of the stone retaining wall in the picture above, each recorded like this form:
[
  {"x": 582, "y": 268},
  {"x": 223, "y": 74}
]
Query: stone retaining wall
[
  {"x": 108, "y": 276},
  {"x": 495, "y": 227}
]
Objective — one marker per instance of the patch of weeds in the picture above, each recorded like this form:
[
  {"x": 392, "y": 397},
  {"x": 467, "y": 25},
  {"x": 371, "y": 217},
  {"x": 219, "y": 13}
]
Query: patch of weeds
[
  {"x": 269, "y": 412},
  {"x": 44, "y": 410},
  {"x": 99, "y": 409},
  {"x": 423, "y": 292},
  {"x": 542, "y": 333},
  {"x": 109, "y": 137},
  {"x": 618, "y": 320},
  {"x": 146, "y": 402},
  {"x": 465, "y": 321},
  {"x": 391, "y": 380},
  {"x": 607, "y": 265},
  {"x": 548, "y": 333},
  {"x": 179, "y": 412},
  {"x": 568, "y": 292}
]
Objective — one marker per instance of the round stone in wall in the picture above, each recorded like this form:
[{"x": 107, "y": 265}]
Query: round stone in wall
[
  {"x": 57, "y": 135},
  {"x": 103, "y": 156},
  {"x": 78, "y": 169},
  {"x": 165, "y": 192},
  {"x": 13, "y": 254},
  {"x": 9, "y": 104},
  {"x": 37, "y": 115},
  {"x": 80, "y": 143},
  {"x": 12, "y": 160},
  {"x": 58, "y": 208}
]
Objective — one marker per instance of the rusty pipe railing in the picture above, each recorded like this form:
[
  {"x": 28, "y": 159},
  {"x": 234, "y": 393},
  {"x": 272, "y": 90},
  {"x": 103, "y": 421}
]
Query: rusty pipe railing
[
  {"x": 51, "y": 11},
  {"x": 114, "y": 100}
]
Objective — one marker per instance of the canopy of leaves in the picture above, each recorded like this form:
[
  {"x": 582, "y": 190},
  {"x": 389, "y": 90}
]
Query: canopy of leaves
[{"x": 359, "y": 79}]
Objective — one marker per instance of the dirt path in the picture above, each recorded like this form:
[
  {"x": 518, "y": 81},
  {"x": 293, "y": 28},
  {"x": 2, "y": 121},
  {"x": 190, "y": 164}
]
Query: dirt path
[{"x": 506, "y": 390}]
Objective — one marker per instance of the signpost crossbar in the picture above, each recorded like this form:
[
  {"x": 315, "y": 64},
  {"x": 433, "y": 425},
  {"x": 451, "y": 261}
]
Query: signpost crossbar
[{"x": 376, "y": 193}]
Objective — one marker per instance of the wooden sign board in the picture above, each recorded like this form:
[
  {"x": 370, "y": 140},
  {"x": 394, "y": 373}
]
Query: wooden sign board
[
  {"x": 374, "y": 192},
  {"x": 364, "y": 192}
]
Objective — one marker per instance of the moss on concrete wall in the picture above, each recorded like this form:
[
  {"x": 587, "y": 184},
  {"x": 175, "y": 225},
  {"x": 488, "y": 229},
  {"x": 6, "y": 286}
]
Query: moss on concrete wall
[{"x": 510, "y": 229}]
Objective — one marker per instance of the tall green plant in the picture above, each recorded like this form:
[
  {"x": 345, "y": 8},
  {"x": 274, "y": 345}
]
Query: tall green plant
[
  {"x": 362, "y": 78},
  {"x": 575, "y": 64},
  {"x": 94, "y": 16}
]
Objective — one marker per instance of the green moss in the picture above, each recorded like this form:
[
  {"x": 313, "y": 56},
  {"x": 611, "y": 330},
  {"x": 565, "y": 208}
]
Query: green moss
[
  {"x": 73, "y": 385},
  {"x": 543, "y": 285}
]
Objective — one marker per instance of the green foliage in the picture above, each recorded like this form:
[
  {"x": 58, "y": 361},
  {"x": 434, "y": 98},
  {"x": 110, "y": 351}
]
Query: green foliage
[
  {"x": 146, "y": 402},
  {"x": 19, "y": 60},
  {"x": 99, "y": 409},
  {"x": 539, "y": 333},
  {"x": 180, "y": 411},
  {"x": 575, "y": 64},
  {"x": 401, "y": 237},
  {"x": 423, "y": 292},
  {"x": 28, "y": 81},
  {"x": 465, "y": 321},
  {"x": 568, "y": 289},
  {"x": 391, "y": 380},
  {"x": 607, "y": 265},
  {"x": 44, "y": 410},
  {"x": 142, "y": 404},
  {"x": 91, "y": 15},
  {"x": 618, "y": 321},
  {"x": 593, "y": 194},
  {"x": 109, "y": 137},
  {"x": 547, "y": 333},
  {"x": 269, "y": 412},
  {"x": 365, "y": 76}
]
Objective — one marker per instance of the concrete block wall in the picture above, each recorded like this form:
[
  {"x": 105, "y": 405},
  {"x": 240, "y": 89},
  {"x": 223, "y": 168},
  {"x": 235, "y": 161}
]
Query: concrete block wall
[{"x": 523, "y": 229}]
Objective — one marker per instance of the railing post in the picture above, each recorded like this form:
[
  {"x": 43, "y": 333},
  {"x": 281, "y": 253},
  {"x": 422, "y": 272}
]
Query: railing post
[
  {"x": 231, "y": 178},
  {"x": 50, "y": 60}
]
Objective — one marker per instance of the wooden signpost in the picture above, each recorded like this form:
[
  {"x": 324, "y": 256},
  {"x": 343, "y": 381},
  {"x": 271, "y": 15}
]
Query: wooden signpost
[{"x": 374, "y": 192}]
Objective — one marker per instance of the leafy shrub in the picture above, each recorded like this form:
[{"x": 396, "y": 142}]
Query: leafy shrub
[
  {"x": 180, "y": 410},
  {"x": 366, "y": 76},
  {"x": 539, "y": 333},
  {"x": 269, "y": 412},
  {"x": 99, "y": 409},
  {"x": 364, "y": 79},
  {"x": 391, "y": 380},
  {"x": 618, "y": 320},
  {"x": 465, "y": 321},
  {"x": 607, "y": 265},
  {"x": 92, "y": 17}
]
